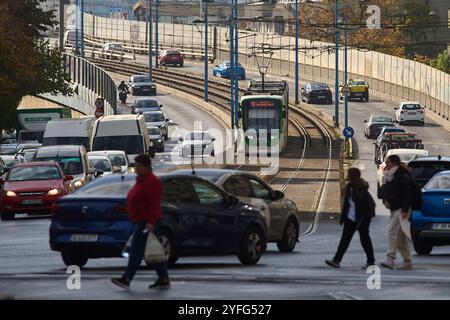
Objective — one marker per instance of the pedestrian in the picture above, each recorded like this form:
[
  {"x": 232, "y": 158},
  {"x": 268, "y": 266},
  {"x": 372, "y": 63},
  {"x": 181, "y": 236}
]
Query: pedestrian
[
  {"x": 396, "y": 193},
  {"x": 357, "y": 212},
  {"x": 144, "y": 210}
]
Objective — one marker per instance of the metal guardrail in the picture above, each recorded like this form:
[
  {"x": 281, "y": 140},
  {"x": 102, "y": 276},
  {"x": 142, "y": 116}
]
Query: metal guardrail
[{"x": 96, "y": 82}]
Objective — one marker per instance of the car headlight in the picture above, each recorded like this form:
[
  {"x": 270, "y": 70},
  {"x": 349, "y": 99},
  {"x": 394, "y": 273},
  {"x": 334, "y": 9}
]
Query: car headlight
[
  {"x": 159, "y": 140},
  {"x": 153, "y": 87},
  {"x": 78, "y": 184},
  {"x": 11, "y": 194},
  {"x": 54, "y": 192}
]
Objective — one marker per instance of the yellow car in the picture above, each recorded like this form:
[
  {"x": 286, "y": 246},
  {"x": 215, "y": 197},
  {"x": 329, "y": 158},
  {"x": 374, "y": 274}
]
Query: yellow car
[{"x": 359, "y": 89}]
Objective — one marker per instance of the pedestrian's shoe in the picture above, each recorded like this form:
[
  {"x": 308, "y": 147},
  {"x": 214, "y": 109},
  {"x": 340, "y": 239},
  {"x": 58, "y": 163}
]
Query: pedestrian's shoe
[
  {"x": 160, "y": 283},
  {"x": 333, "y": 263},
  {"x": 367, "y": 265},
  {"x": 389, "y": 263},
  {"x": 121, "y": 282},
  {"x": 406, "y": 265}
]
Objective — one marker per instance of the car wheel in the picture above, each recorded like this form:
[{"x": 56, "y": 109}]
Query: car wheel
[
  {"x": 72, "y": 258},
  {"x": 367, "y": 98},
  {"x": 422, "y": 247},
  {"x": 423, "y": 123},
  {"x": 290, "y": 236},
  {"x": 252, "y": 246},
  {"x": 167, "y": 243},
  {"x": 7, "y": 216}
]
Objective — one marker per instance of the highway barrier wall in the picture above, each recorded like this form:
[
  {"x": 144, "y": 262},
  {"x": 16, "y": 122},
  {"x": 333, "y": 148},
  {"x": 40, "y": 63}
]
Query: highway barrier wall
[{"x": 391, "y": 77}]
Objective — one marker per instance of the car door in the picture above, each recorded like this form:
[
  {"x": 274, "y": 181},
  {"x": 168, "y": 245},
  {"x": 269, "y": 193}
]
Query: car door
[
  {"x": 180, "y": 208},
  {"x": 221, "y": 218},
  {"x": 239, "y": 186},
  {"x": 277, "y": 213}
]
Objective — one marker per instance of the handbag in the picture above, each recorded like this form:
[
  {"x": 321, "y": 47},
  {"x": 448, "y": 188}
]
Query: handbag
[{"x": 154, "y": 251}]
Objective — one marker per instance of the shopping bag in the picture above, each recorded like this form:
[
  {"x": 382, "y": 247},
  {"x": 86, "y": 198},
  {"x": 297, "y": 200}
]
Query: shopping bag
[{"x": 154, "y": 251}]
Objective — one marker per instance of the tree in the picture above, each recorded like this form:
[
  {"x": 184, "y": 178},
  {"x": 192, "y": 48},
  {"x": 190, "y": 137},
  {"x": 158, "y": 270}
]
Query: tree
[
  {"x": 442, "y": 62},
  {"x": 28, "y": 64}
]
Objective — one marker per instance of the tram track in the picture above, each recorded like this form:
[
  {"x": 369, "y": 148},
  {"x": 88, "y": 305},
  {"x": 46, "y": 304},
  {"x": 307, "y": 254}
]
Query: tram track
[{"x": 306, "y": 125}]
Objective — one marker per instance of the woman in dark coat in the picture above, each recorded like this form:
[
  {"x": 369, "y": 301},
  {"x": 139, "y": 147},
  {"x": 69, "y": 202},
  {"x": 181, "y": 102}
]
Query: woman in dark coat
[{"x": 357, "y": 212}]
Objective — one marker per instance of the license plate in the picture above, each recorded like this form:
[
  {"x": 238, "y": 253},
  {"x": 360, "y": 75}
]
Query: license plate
[
  {"x": 84, "y": 238},
  {"x": 32, "y": 201},
  {"x": 321, "y": 97},
  {"x": 145, "y": 89},
  {"x": 358, "y": 94},
  {"x": 441, "y": 226},
  {"x": 411, "y": 113}
]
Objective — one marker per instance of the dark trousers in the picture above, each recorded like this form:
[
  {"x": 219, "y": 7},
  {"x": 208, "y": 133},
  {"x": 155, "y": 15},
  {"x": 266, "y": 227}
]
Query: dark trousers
[
  {"x": 350, "y": 228},
  {"x": 137, "y": 253}
]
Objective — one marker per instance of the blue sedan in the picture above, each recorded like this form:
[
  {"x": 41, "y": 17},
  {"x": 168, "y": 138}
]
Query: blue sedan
[
  {"x": 223, "y": 70},
  {"x": 198, "y": 219},
  {"x": 430, "y": 226}
]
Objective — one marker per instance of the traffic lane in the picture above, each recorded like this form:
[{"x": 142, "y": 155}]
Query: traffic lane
[
  {"x": 184, "y": 115},
  {"x": 31, "y": 270}
]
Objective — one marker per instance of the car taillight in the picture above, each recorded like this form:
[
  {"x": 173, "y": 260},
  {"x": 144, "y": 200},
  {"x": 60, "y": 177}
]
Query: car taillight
[
  {"x": 121, "y": 209},
  {"x": 403, "y": 111},
  {"x": 420, "y": 111}
]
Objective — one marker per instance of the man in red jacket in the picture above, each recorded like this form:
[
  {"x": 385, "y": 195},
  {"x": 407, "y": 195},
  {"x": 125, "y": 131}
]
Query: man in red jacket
[{"x": 144, "y": 210}]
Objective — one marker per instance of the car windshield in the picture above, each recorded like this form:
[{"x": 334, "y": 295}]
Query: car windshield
[
  {"x": 9, "y": 162},
  {"x": 357, "y": 83},
  {"x": 29, "y": 154},
  {"x": 381, "y": 119},
  {"x": 129, "y": 144},
  {"x": 106, "y": 188},
  {"x": 154, "y": 131},
  {"x": 173, "y": 53},
  {"x": 439, "y": 182},
  {"x": 147, "y": 103},
  {"x": 8, "y": 149},
  {"x": 427, "y": 169},
  {"x": 411, "y": 107},
  {"x": 140, "y": 79},
  {"x": 59, "y": 141},
  {"x": 319, "y": 86},
  {"x": 198, "y": 136},
  {"x": 34, "y": 173},
  {"x": 118, "y": 159},
  {"x": 69, "y": 165},
  {"x": 101, "y": 164},
  {"x": 154, "y": 117}
]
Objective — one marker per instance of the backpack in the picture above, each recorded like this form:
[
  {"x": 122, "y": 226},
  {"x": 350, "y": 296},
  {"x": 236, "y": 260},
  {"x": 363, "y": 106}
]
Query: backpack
[{"x": 416, "y": 195}]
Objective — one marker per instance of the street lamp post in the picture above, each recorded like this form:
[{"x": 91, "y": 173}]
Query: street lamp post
[
  {"x": 236, "y": 63},
  {"x": 345, "y": 70},
  {"x": 157, "y": 33},
  {"x": 296, "y": 52},
  {"x": 336, "y": 85},
  {"x": 82, "y": 28},
  {"x": 150, "y": 40},
  {"x": 76, "y": 26},
  {"x": 206, "y": 49}
]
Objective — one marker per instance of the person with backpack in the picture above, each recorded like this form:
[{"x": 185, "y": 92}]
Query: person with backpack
[
  {"x": 357, "y": 212},
  {"x": 396, "y": 193}
]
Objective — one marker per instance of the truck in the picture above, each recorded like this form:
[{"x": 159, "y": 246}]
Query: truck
[
  {"x": 69, "y": 132},
  {"x": 31, "y": 122}
]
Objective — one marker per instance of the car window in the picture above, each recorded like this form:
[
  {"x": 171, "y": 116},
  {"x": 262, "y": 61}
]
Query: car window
[
  {"x": 34, "y": 173},
  {"x": 146, "y": 103},
  {"x": 238, "y": 186},
  {"x": 427, "y": 169},
  {"x": 177, "y": 191},
  {"x": 411, "y": 107},
  {"x": 118, "y": 160},
  {"x": 154, "y": 117},
  {"x": 381, "y": 119},
  {"x": 104, "y": 187},
  {"x": 259, "y": 190},
  {"x": 69, "y": 165},
  {"x": 207, "y": 194},
  {"x": 439, "y": 182},
  {"x": 153, "y": 131},
  {"x": 101, "y": 164}
]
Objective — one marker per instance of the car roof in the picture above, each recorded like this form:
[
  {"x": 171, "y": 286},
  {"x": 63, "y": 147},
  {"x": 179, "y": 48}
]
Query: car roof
[
  {"x": 105, "y": 152},
  {"x": 146, "y": 98},
  {"x": 407, "y": 151},
  {"x": 97, "y": 156},
  {"x": 62, "y": 150},
  {"x": 431, "y": 159},
  {"x": 152, "y": 112},
  {"x": 212, "y": 172},
  {"x": 409, "y": 102},
  {"x": 37, "y": 163}
]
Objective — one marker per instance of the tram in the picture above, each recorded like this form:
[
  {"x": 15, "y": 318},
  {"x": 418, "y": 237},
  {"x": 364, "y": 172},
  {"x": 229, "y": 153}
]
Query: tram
[{"x": 263, "y": 114}]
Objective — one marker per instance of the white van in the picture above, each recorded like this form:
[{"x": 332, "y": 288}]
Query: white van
[
  {"x": 69, "y": 132},
  {"x": 122, "y": 132}
]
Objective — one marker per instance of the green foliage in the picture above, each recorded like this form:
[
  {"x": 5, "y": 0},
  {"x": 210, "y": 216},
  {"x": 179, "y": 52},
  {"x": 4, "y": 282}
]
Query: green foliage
[
  {"x": 442, "y": 62},
  {"x": 28, "y": 65}
]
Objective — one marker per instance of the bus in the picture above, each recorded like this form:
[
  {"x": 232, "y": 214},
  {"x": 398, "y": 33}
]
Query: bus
[{"x": 264, "y": 109}]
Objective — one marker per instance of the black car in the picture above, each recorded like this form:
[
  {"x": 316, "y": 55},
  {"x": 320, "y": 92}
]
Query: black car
[
  {"x": 142, "y": 85},
  {"x": 317, "y": 92},
  {"x": 198, "y": 219},
  {"x": 423, "y": 169},
  {"x": 375, "y": 125},
  {"x": 142, "y": 105}
]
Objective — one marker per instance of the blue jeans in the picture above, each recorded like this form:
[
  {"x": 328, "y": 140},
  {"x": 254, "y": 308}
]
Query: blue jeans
[{"x": 137, "y": 253}]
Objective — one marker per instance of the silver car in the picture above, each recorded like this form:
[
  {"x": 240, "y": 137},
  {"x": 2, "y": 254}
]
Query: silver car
[{"x": 281, "y": 214}]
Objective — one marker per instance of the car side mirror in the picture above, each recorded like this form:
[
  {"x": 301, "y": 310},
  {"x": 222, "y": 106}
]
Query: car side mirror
[
  {"x": 180, "y": 139},
  {"x": 68, "y": 178},
  {"x": 167, "y": 120},
  {"x": 277, "y": 195},
  {"x": 117, "y": 169},
  {"x": 98, "y": 173},
  {"x": 213, "y": 139},
  {"x": 396, "y": 108},
  {"x": 365, "y": 121},
  {"x": 160, "y": 105},
  {"x": 91, "y": 171},
  {"x": 151, "y": 151}
]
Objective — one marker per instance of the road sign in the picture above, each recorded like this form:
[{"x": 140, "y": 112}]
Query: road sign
[
  {"x": 346, "y": 91},
  {"x": 348, "y": 132},
  {"x": 100, "y": 107}
]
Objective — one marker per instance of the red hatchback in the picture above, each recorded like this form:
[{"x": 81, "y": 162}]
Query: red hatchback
[
  {"x": 32, "y": 188},
  {"x": 171, "y": 57}
]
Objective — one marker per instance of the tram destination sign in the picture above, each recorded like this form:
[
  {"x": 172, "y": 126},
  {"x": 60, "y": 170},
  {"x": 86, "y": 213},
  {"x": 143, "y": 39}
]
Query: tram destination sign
[{"x": 262, "y": 103}]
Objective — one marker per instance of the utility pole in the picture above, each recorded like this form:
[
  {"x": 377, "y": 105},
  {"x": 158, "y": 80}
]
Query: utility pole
[
  {"x": 345, "y": 70},
  {"x": 206, "y": 48},
  {"x": 296, "y": 52},
  {"x": 76, "y": 26},
  {"x": 157, "y": 33},
  {"x": 232, "y": 66},
  {"x": 336, "y": 86},
  {"x": 236, "y": 64},
  {"x": 150, "y": 41},
  {"x": 82, "y": 28},
  {"x": 61, "y": 25}
]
